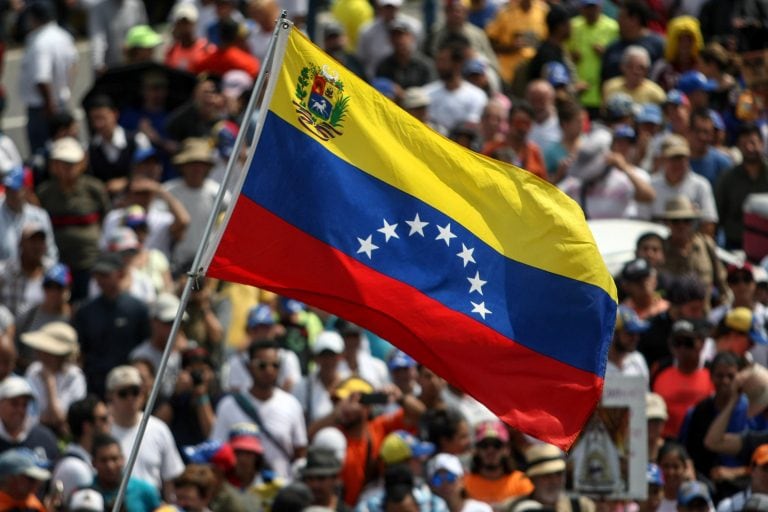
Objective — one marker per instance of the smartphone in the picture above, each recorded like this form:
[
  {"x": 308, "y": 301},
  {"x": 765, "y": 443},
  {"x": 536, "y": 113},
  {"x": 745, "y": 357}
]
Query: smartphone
[{"x": 374, "y": 398}]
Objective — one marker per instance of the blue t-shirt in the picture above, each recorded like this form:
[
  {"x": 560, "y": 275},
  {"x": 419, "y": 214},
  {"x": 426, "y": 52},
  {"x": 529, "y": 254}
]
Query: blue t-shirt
[
  {"x": 711, "y": 165},
  {"x": 553, "y": 154}
]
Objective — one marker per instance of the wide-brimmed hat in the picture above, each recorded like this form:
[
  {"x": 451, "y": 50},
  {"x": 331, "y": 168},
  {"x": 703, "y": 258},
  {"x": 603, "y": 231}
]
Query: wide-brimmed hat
[
  {"x": 680, "y": 208},
  {"x": 56, "y": 338},
  {"x": 194, "y": 150},
  {"x": 321, "y": 462},
  {"x": 544, "y": 459}
]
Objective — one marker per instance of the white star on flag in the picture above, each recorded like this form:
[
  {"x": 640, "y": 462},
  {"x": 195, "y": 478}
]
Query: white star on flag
[
  {"x": 367, "y": 246},
  {"x": 445, "y": 234},
  {"x": 466, "y": 255},
  {"x": 480, "y": 309},
  {"x": 476, "y": 284},
  {"x": 388, "y": 231},
  {"x": 417, "y": 226}
]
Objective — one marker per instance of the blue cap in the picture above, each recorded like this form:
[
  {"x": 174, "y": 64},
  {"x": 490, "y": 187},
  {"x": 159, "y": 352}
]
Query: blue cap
[
  {"x": 650, "y": 113},
  {"x": 293, "y": 306},
  {"x": 628, "y": 321},
  {"x": 557, "y": 74},
  {"x": 385, "y": 86},
  {"x": 624, "y": 131},
  {"x": 201, "y": 453},
  {"x": 691, "y": 81},
  {"x": 717, "y": 120},
  {"x": 23, "y": 461},
  {"x": 400, "y": 360},
  {"x": 691, "y": 491},
  {"x": 58, "y": 274},
  {"x": 14, "y": 179},
  {"x": 142, "y": 154},
  {"x": 620, "y": 105},
  {"x": 260, "y": 315},
  {"x": 474, "y": 67},
  {"x": 677, "y": 97},
  {"x": 653, "y": 475},
  {"x": 586, "y": 3}
]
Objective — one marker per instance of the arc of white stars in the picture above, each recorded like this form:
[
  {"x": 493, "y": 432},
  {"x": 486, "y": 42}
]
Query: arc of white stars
[
  {"x": 417, "y": 226},
  {"x": 388, "y": 230},
  {"x": 480, "y": 309},
  {"x": 466, "y": 255},
  {"x": 367, "y": 246},
  {"x": 476, "y": 284},
  {"x": 445, "y": 234}
]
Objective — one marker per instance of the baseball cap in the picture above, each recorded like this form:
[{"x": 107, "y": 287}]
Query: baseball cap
[
  {"x": 650, "y": 113},
  {"x": 122, "y": 239},
  {"x": 692, "y": 491},
  {"x": 333, "y": 28},
  {"x": 444, "y": 462},
  {"x": 677, "y": 97},
  {"x": 692, "y": 81},
  {"x": 58, "y": 274},
  {"x": 142, "y": 154},
  {"x": 14, "y": 386},
  {"x": 544, "y": 459},
  {"x": 31, "y": 228},
  {"x": 653, "y": 475},
  {"x": 352, "y": 385},
  {"x": 142, "y": 36},
  {"x": 14, "y": 179},
  {"x": 185, "y": 11},
  {"x": 86, "y": 500},
  {"x": 331, "y": 438},
  {"x": 586, "y": 3},
  {"x": 400, "y": 446},
  {"x": 22, "y": 461},
  {"x": 123, "y": 377},
  {"x": 328, "y": 341},
  {"x": 166, "y": 307},
  {"x": 260, "y": 315},
  {"x": 393, "y": 3},
  {"x": 717, "y": 120},
  {"x": 56, "y": 338},
  {"x": 744, "y": 268},
  {"x": 655, "y": 407},
  {"x": 385, "y": 86},
  {"x": 620, "y": 105},
  {"x": 321, "y": 462},
  {"x": 400, "y": 359},
  {"x": 474, "y": 67},
  {"x": 492, "y": 429},
  {"x": 557, "y": 74},
  {"x": 400, "y": 25},
  {"x": 415, "y": 97},
  {"x": 235, "y": 82},
  {"x": 107, "y": 262},
  {"x": 135, "y": 216},
  {"x": 244, "y": 437},
  {"x": 675, "y": 145},
  {"x": 636, "y": 270},
  {"x": 67, "y": 149},
  {"x": 628, "y": 321},
  {"x": 743, "y": 320},
  {"x": 624, "y": 131}
]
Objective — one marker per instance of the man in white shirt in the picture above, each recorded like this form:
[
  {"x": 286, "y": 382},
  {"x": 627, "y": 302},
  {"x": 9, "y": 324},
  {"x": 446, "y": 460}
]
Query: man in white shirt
[
  {"x": 47, "y": 68},
  {"x": 158, "y": 461},
  {"x": 453, "y": 100},
  {"x": 277, "y": 414},
  {"x": 373, "y": 43},
  {"x": 677, "y": 179},
  {"x": 545, "y": 129},
  {"x": 623, "y": 357}
]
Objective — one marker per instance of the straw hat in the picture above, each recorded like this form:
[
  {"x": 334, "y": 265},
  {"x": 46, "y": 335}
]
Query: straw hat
[
  {"x": 56, "y": 338},
  {"x": 544, "y": 459},
  {"x": 756, "y": 388},
  {"x": 679, "y": 208}
]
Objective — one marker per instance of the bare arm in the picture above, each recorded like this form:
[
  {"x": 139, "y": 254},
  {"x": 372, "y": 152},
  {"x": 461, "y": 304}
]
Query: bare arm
[{"x": 717, "y": 439}]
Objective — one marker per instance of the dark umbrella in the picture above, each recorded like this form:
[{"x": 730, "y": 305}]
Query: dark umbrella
[{"x": 123, "y": 84}]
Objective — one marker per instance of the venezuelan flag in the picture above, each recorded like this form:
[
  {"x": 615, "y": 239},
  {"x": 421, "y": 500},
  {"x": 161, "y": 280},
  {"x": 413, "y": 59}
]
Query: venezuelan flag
[{"x": 479, "y": 270}]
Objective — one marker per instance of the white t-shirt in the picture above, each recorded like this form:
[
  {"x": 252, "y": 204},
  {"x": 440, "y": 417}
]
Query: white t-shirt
[
  {"x": 633, "y": 365},
  {"x": 158, "y": 458},
  {"x": 70, "y": 385},
  {"x": 281, "y": 414},
  {"x": 694, "y": 187},
  {"x": 49, "y": 56},
  {"x": 546, "y": 133},
  {"x": 321, "y": 404},
  {"x": 610, "y": 198},
  {"x": 452, "y": 108},
  {"x": 476, "y": 506}
]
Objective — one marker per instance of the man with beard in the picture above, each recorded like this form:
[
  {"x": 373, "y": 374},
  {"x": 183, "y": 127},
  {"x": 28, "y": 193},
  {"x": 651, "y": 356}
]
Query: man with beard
[
  {"x": 623, "y": 357},
  {"x": 750, "y": 177}
]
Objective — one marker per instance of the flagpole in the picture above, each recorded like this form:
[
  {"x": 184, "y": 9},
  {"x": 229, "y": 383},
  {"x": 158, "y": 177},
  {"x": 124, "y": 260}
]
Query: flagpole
[{"x": 196, "y": 271}]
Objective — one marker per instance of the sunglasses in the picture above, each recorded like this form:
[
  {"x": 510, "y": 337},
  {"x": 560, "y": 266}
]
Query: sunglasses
[
  {"x": 101, "y": 419},
  {"x": 684, "y": 342},
  {"x": 680, "y": 221},
  {"x": 484, "y": 445},
  {"x": 441, "y": 478},
  {"x": 740, "y": 279},
  {"x": 263, "y": 365},
  {"x": 132, "y": 391}
]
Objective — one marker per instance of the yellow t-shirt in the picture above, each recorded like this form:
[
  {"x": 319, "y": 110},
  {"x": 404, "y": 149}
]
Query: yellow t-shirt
[{"x": 647, "y": 92}]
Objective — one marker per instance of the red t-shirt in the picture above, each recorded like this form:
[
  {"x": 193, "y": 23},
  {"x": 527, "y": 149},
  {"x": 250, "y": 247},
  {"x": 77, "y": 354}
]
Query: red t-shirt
[
  {"x": 227, "y": 59},
  {"x": 180, "y": 57},
  {"x": 681, "y": 391}
]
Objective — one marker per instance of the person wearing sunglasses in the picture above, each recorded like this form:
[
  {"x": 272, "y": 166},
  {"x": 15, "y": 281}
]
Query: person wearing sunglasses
[
  {"x": 685, "y": 383},
  {"x": 158, "y": 462},
  {"x": 493, "y": 477},
  {"x": 446, "y": 479}
]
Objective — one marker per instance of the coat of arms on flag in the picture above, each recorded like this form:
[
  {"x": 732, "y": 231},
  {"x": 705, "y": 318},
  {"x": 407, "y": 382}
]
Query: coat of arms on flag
[{"x": 320, "y": 101}]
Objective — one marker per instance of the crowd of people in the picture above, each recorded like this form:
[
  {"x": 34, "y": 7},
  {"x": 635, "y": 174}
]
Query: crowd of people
[{"x": 637, "y": 109}]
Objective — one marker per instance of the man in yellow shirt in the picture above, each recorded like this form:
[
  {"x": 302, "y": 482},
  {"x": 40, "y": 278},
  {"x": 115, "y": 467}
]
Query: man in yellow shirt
[
  {"x": 516, "y": 32},
  {"x": 635, "y": 63}
]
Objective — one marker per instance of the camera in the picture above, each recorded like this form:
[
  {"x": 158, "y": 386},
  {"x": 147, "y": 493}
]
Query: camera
[
  {"x": 374, "y": 398},
  {"x": 197, "y": 377}
]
